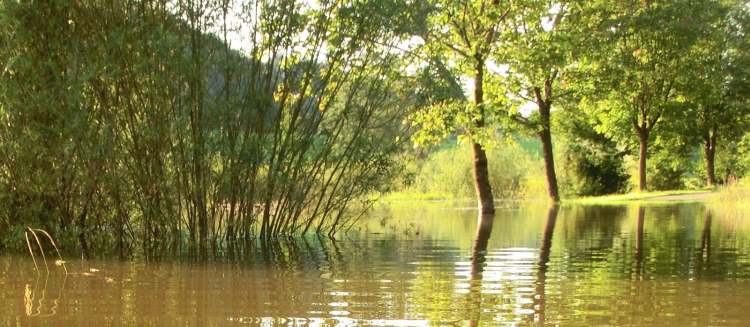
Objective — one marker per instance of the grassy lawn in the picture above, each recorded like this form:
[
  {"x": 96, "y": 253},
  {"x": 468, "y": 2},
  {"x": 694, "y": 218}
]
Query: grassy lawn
[{"x": 659, "y": 196}]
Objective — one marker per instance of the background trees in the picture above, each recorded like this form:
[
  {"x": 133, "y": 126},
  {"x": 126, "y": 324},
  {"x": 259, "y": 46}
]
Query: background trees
[
  {"x": 640, "y": 64},
  {"x": 538, "y": 49},
  {"x": 631, "y": 70}
]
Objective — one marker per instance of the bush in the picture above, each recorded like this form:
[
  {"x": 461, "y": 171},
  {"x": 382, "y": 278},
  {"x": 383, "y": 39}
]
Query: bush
[{"x": 591, "y": 163}]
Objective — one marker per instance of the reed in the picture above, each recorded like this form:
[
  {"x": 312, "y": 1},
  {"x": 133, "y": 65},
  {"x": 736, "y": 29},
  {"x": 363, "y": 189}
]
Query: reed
[{"x": 33, "y": 233}]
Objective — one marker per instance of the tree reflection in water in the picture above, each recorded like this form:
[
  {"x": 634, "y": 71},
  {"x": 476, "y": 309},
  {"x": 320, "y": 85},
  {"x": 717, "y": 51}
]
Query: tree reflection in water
[
  {"x": 478, "y": 258},
  {"x": 544, "y": 253},
  {"x": 41, "y": 306},
  {"x": 601, "y": 272},
  {"x": 639, "y": 243},
  {"x": 706, "y": 238}
]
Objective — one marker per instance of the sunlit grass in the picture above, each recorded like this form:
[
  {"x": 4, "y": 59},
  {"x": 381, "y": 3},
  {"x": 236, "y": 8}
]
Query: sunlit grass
[
  {"x": 437, "y": 200},
  {"x": 734, "y": 193}
]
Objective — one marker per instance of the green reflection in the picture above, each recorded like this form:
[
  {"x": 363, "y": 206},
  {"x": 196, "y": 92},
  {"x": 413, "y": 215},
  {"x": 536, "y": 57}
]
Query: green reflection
[{"x": 569, "y": 265}]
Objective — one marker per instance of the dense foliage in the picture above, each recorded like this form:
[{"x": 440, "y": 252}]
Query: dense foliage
[{"x": 137, "y": 124}]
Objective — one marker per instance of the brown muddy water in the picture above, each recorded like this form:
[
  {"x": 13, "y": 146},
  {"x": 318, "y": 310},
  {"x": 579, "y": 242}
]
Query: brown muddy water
[{"x": 658, "y": 265}]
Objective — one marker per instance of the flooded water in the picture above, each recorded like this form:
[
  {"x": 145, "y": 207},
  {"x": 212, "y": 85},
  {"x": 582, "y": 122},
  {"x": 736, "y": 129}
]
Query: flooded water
[{"x": 577, "y": 265}]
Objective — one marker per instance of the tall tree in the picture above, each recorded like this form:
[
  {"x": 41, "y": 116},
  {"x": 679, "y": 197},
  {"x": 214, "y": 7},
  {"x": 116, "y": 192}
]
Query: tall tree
[{"x": 640, "y": 62}]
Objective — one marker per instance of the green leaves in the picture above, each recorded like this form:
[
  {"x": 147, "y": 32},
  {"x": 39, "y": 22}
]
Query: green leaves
[{"x": 435, "y": 122}]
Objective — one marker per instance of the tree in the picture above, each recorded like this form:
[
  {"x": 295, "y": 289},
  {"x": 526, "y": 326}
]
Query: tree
[
  {"x": 639, "y": 65},
  {"x": 719, "y": 90},
  {"x": 464, "y": 32}
]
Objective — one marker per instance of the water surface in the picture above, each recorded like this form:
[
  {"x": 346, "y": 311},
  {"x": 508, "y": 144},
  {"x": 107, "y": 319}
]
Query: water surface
[{"x": 576, "y": 265}]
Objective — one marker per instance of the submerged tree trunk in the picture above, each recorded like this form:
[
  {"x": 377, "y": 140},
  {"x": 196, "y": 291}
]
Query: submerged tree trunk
[
  {"x": 479, "y": 249},
  {"x": 480, "y": 165},
  {"x": 482, "y": 180},
  {"x": 82, "y": 234},
  {"x": 545, "y": 135},
  {"x": 709, "y": 149},
  {"x": 642, "y": 156}
]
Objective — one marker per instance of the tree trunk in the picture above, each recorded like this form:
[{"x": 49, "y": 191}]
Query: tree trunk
[
  {"x": 709, "y": 149},
  {"x": 545, "y": 135},
  {"x": 482, "y": 180},
  {"x": 196, "y": 125},
  {"x": 82, "y": 233},
  {"x": 481, "y": 170},
  {"x": 643, "y": 140}
]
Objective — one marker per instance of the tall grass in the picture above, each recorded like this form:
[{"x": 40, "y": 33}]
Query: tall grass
[
  {"x": 732, "y": 199},
  {"x": 730, "y": 205},
  {"x": 516, "y": 171}
]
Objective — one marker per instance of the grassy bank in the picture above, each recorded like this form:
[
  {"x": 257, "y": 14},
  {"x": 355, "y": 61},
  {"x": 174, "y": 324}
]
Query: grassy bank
[{"x": 733, "y": 195}]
